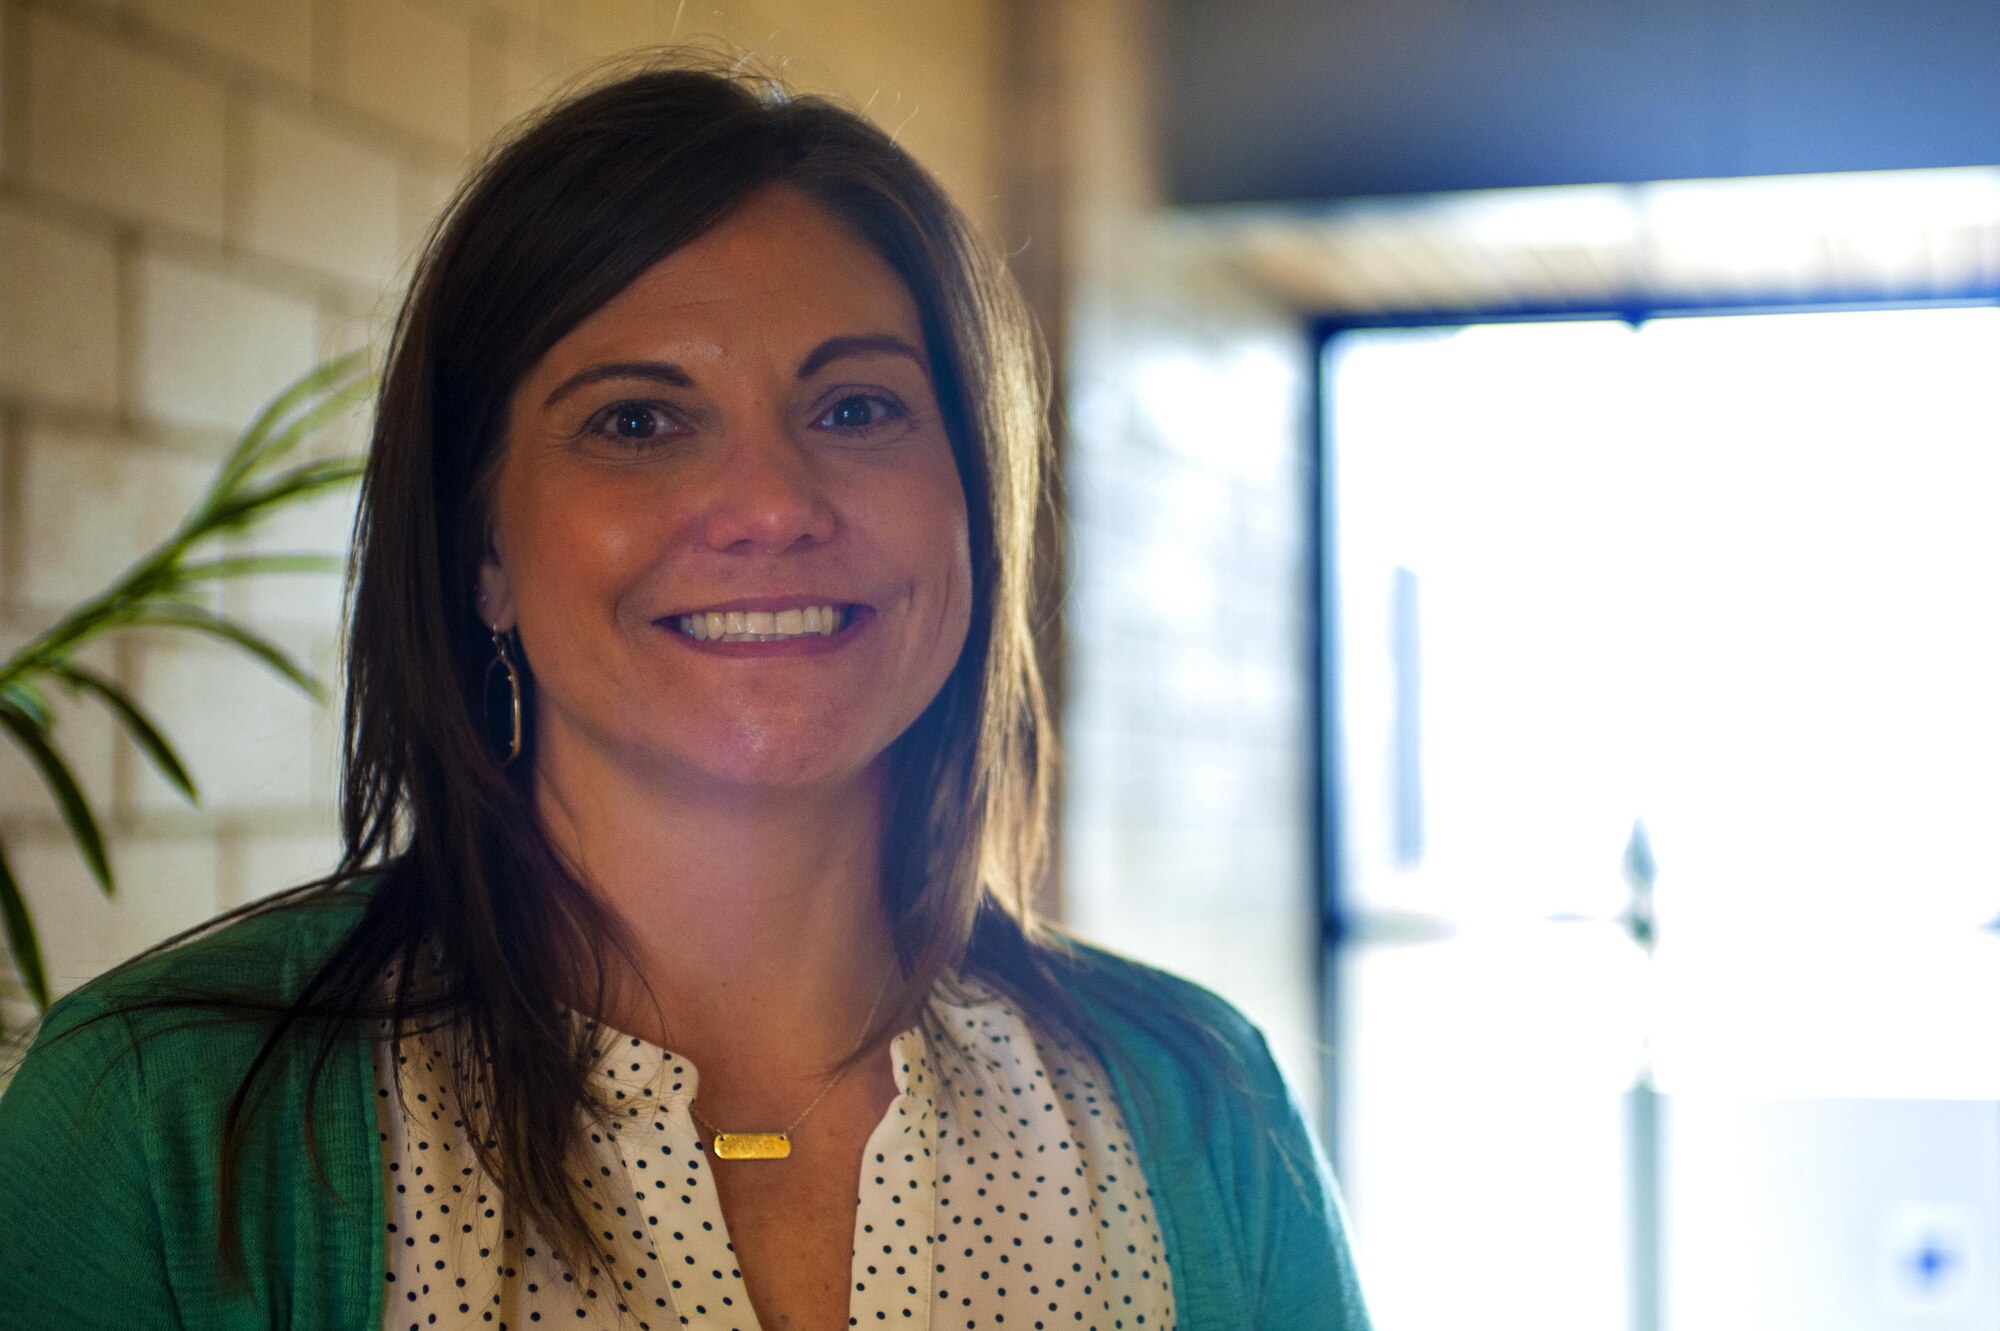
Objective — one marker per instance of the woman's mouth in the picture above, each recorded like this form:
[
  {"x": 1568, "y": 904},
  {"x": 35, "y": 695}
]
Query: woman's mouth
[{"x": 821, "y": 621}]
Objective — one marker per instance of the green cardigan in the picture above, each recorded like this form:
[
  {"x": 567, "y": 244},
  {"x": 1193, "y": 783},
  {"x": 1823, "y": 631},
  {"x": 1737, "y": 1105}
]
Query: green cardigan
[{"x": 109, "y": 1190}]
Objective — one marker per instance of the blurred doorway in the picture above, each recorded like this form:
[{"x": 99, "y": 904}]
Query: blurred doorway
[{"x": 1662, "y": 667}]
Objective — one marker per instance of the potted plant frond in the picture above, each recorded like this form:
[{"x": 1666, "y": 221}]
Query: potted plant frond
[{"x": 170, "y": 587}]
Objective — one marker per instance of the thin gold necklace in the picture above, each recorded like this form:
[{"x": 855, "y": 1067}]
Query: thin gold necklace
[{"x": 777, "y": 1145}]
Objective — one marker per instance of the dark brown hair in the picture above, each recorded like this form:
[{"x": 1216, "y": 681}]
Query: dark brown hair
[{"x": 488, "y": 931}]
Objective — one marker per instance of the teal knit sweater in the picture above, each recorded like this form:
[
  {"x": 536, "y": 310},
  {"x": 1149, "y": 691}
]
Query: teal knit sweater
[{"x": 109, "y": 1195}]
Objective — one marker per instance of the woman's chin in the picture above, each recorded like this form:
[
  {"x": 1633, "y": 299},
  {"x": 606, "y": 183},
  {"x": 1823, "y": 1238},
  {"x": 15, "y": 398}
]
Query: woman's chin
[
  {"x": 765, "y": 763},
  {"x": 785, "y": 748}
]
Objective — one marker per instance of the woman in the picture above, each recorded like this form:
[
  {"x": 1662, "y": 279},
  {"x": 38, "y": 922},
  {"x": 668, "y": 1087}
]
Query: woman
[{"x": 679, "y": 969}]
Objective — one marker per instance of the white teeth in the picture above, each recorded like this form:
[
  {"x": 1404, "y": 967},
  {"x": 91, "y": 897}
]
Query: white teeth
[{"x": 759, "y": 625}]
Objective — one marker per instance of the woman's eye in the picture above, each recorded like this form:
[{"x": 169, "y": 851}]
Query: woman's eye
[
  {"x": 632, "y": 422},
  {"x": 858, "y": 413}
]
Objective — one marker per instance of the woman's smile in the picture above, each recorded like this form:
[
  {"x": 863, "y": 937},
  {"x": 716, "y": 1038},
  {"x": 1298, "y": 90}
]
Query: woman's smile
[{"x": 759, "y": 627}]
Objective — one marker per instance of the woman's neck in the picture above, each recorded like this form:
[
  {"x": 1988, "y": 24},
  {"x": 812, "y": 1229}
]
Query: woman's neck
[{"x": 755, "y": 917}]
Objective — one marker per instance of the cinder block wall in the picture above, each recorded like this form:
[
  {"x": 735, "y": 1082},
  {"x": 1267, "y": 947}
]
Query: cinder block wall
[
  {"x": 1188, "y": 827},
  {"x": 200, "y": 198}
]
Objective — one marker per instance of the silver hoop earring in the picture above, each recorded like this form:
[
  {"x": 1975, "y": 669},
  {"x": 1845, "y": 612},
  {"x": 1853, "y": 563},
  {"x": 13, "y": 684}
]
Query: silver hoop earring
[{"x": 504, "y": 659}]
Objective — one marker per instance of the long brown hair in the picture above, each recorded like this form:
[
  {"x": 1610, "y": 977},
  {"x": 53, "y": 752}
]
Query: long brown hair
[{"x": 485, "y": 927}]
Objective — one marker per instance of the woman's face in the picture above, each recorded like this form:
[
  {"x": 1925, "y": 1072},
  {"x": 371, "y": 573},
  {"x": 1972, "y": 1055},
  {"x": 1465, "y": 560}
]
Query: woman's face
[{"x": 728, "y": 523}]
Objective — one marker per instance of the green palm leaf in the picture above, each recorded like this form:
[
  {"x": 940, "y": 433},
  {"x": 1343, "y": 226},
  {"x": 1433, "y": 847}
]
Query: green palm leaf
[
  {"x": 24, "y": 695},
  {"x": 315, "y": 398},
  {"x": 69, "y": 797},
  {"x": 238, "y": 566},
  {"x": 20, "y": 930},
  {"x": 242, "y": 507},
  {"x": 137, "y": 724},
  {"x": 180, "y": 614}
]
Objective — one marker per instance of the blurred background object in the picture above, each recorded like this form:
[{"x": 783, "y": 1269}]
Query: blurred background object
[
  {"x": 1525, "y": 623},
  {"x": 1659, "y": 628}
]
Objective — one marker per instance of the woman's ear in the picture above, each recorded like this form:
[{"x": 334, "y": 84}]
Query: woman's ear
[{"x": 493, "y": 596}]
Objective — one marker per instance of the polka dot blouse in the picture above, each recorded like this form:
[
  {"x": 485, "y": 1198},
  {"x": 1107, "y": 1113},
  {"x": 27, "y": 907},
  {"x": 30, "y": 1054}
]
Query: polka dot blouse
[{"x": 999, "y": 1189}]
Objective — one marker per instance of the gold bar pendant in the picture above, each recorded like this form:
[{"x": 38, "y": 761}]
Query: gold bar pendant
[{"x": 750, "y": 1145}]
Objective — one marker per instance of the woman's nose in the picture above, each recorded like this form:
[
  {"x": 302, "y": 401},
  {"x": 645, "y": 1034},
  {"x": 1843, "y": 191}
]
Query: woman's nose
[{"x": 769, "y": 497}]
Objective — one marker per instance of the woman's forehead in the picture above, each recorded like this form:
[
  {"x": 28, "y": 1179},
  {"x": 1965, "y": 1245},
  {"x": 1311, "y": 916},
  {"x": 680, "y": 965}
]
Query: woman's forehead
[{"x": 777, "y": 277}]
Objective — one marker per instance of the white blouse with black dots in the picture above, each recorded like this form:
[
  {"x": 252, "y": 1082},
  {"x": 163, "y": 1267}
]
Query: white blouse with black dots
[{"x": 999, "y": 1189}]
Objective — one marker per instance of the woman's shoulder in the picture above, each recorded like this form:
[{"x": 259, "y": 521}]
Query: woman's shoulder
[
  {"x": 1098, "y": 965},
  {"x": 188, "y": 1008},
  {"x": 1162, "y": 1017},
  {"x": 1233, "y": 1167},
  {"x": 111, "y": 1124},
  {"x": 168, "y": 1035}
]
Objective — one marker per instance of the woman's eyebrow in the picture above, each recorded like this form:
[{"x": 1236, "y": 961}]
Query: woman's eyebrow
[
  {"x": 857, "y": 344},
  {"x": 659, "y": 371},
  {"x": 666, "y": 372}
]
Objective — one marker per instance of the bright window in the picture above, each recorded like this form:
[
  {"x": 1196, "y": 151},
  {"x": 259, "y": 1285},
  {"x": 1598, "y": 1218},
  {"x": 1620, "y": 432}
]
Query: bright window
[{"x": 1734, "y": 581}]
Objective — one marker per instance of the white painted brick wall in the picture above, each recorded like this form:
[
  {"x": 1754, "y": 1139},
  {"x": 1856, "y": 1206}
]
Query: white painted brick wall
[
  {"x": 213, "y": 348},
  {"x": 1188, "y": 821},
  {"x": 257, "y": 863},
  {"x": 127, "y": 131},
  {"x": 409, "y": 66},
  {"x": 317, "y": 198},
  {"x": 609, "y": 26},
  {"x": 422, "y": 193},
  {"x": 92, "y": 503},
  {"x": 166, "y": 882},
  {"x": 524, "y": 64},
  {"x": 273, "y": 36},
  {"x": 254, "y": 743},
  {"x": 525, "y": 11},
  {"x": 58, "y": 312}
]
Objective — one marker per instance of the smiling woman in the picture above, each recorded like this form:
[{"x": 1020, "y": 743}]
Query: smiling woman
[{"x": 679, "y": 970}]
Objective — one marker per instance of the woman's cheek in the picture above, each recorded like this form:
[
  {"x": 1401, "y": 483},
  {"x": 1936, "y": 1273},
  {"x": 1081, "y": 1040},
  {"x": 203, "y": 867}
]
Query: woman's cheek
[{"x": 602, "y": 538}]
